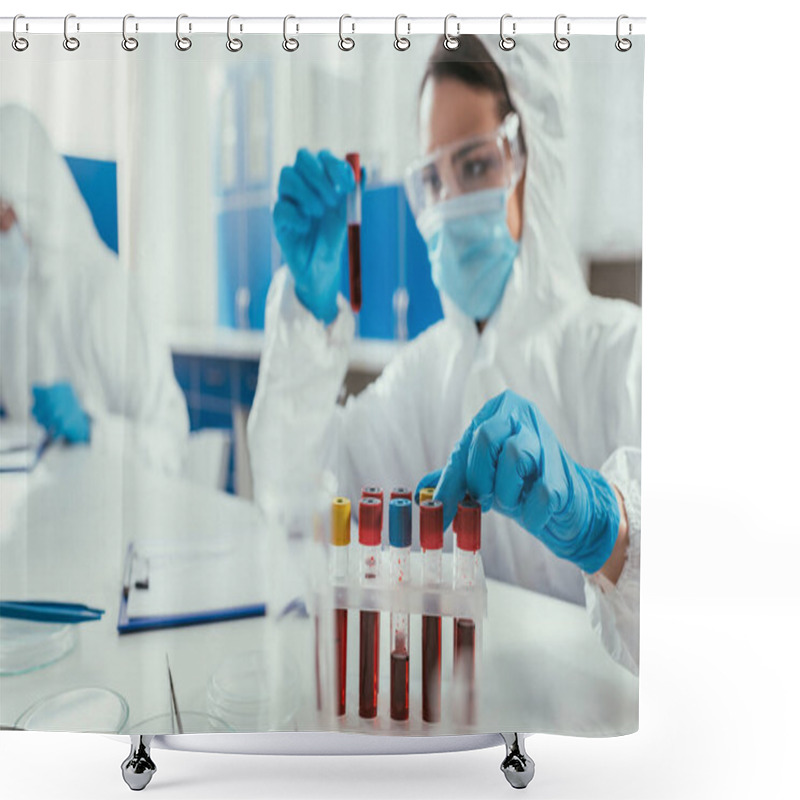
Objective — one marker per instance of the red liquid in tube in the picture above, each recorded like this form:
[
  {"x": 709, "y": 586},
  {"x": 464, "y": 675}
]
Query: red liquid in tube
[
  {"x": 368, "y": 665},
  {"x": 354, "y": 233},
  {"x": 399, "y": 675},
  {"x": 431, "y": 668},
  {"x": 341, "y": 659}
]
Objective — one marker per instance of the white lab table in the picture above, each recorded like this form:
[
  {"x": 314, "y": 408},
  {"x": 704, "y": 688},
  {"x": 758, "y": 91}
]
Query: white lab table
[
  {"x": 366, "y": 355},
  {"x": 63, "y": 532}
]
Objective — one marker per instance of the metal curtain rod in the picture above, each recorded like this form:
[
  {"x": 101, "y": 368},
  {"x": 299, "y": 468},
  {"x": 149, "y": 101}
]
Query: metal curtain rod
[{"x": 330, "y": 25}]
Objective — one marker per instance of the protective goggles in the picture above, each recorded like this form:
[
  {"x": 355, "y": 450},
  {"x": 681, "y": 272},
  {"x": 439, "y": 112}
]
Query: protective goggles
[{"x": 489, "y": 161}]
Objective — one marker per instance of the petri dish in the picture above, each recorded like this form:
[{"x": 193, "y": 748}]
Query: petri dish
[
  {"x": 252, "y": 692},
  {"x": 89, "y": 709},
  {"x": 26, "y": 646},
  {"x": 192, "y": 721}
]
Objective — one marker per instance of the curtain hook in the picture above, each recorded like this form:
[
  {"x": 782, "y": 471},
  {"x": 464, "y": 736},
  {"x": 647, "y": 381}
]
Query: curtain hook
[
  {"x": 507, "y": 42},
  {"x": 233, "y": 44},
  {"x": 183, "y": 43},
  {"x": 129, "y": 43},
  {"x": 346, "y": 42},
  {"x": 561, "y": 43},
  {"x": 451, "y": 42},
  {"x": 623, "y": 45},
  {"x": 401, "y": 42},
  {"x": 19, "y": 43},
  {"x": 289, "y": 44},
  {"x": 71, "y": 43}
]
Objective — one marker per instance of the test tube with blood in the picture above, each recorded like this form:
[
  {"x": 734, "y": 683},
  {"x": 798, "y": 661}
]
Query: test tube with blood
[
  {"x": 400, "y": 551},
  {"x": 340, "y": 539},
  {"x": 431, "y": 539},
  {"x": 354, "y": 232},
  {"x": 370, "y": 518},
  {"x": 467, "y": 529}
]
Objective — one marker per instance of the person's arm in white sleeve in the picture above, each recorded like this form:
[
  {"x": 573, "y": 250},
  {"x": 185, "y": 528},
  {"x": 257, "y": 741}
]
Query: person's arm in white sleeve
[
  {"x": 613, "y": 605},
  {"x": 143, "y": 412},
  {"x": 297, "y": 432}
]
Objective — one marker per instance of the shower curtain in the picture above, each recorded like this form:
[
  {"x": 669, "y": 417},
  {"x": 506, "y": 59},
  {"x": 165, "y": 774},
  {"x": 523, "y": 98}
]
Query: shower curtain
[{"x": 220, "y": 406}]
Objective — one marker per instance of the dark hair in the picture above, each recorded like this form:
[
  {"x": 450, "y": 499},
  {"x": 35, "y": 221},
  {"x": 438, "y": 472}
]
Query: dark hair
[{"x": 470, "y": 64}]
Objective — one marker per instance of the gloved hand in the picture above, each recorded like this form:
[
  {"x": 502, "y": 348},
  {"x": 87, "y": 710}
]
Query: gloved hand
[
  {"x": 509, "y": 459},
  {"x": 311, "y": 225},
  {"x": 57, "y": 409}
]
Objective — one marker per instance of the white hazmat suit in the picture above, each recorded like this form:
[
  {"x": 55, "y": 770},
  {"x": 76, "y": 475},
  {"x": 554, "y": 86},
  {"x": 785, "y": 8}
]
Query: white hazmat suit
[
  {"x": 74, "y": 314},
  {"x": 577, "y": 357}
]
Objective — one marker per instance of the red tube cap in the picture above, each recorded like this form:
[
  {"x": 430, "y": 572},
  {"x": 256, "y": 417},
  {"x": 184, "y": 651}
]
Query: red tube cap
[
  {"x": 370, "y": 521},
  {"x": 354, "y": 160},
  {"x": 467, "y": 526},
  {"x": 401, "y": 492},
  {"x": 431, "y": 521}
]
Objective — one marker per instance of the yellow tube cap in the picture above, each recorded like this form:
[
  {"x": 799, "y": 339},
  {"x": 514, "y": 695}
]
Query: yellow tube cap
[
  {"x": 340, "y": 521},
  {"x": 426, "y": 493}
]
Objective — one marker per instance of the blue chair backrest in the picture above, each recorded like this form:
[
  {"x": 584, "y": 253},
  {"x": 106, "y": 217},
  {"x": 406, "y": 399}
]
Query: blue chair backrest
[{"x": 97, "y": 181}]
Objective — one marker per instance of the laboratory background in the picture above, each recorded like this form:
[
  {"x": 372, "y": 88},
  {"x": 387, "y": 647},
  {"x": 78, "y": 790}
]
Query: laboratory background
[
  {"x": 179, "y": 161},
  {"x": 140, "y": 193}
]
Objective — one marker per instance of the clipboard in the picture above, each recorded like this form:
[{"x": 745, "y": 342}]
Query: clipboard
[{"x": 194, "y": 586}]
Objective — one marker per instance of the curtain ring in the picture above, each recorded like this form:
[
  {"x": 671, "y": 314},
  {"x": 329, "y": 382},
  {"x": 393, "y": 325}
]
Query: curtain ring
[
  {"x": 19, "y": 43},
  {"x": 623, "y": 45},
  {"x": 289, "y": 44},
  {"x": 451, "y": 42},
  {"x": 233, "y": 44},
  {"x": 129, "y": 43},
  {"x": 507, "y": 42},
  {"x": 71, "y": 43},
  {"x": 561, "y": 43},
  {"x": 183, "y": 43},
  {"x": 401, "y": 42},
  {"x": 346, "y": 42}
]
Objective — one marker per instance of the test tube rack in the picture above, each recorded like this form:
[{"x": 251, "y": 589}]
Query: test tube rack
[{"x": 416, "y": 599}]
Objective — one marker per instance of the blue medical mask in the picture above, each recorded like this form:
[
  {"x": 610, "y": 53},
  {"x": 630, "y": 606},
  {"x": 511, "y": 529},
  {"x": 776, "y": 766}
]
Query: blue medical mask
[
  {"x": 471, "y": 249},
  {"x": 14, "y": 257}
]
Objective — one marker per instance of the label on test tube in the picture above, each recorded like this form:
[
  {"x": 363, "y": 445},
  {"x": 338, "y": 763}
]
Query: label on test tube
[{"x": 354, "y": 233}]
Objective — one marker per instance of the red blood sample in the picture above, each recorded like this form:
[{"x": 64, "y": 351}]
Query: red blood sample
[
  {"x": 431, "y": 668},
  {"x": 368, "y": 665},
  {"x": 341, "y": 658},
  {"x": 399, "y": 677},
  {"x": 354, "y": 250}
]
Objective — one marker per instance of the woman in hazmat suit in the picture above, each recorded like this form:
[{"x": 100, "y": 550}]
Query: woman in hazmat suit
[
  {"x": 527, "y": 394},
  {"x": 76, "y": 347}
]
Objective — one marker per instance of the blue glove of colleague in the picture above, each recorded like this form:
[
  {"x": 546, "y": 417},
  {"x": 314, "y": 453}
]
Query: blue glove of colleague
[
  {"x": 510, "y": 459},
  {"x": 58, "y": 410},
  {"x": 311, "y": 225}
]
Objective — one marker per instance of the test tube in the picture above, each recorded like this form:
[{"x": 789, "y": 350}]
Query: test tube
[
  {"x": 354, "y": 232},
  {"x": 467, "y": 528},
  {"x": 431, "y": 539},
  {"x": 400, "y": 551},
  {"x": 340, "y": 539},
  {"x": 401, "y": 491},
  {"x": 370, "y": 520}
]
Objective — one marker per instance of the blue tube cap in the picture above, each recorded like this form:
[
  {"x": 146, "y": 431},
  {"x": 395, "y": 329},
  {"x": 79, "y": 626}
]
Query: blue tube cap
[{"x": 400, "y": 522}]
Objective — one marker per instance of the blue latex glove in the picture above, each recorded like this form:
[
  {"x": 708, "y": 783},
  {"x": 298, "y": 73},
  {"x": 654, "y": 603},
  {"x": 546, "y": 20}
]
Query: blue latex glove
[
  {"x": 311, "y": 226},
  {"x": 509, "y": 459},
  {"x": 58, "y": 410}
]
